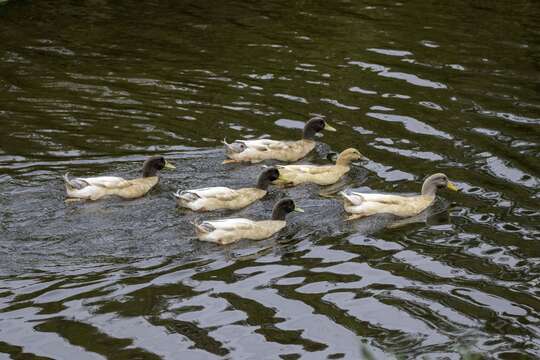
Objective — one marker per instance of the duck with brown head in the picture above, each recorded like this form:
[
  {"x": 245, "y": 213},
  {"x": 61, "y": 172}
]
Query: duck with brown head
[
  {"x": 266, "y": 149},
  {"x": 94, "y": 188}
]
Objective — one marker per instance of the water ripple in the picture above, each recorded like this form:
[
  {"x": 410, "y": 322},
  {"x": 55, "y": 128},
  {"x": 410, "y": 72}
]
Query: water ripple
[{"x": 128, "y": 279}]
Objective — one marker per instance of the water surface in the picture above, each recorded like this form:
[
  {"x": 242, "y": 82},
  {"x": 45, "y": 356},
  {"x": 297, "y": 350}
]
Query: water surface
[{"x": 95, "y": 87}]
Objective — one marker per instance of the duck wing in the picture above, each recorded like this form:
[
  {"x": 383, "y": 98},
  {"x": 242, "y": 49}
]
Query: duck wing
[
  {"x": 101, "y": 181},
  {"x": 306, "y": 169},
  {"x": 108, "y": 182},
  {"x": 365, "y": 204},
  {"x": 231, "y": 224},
  {"x": 379, "y": 198},
  {"x": 219, "y": 193},
  {"x": 263, "y": 144},
  {"x": 270, "y": 145}
]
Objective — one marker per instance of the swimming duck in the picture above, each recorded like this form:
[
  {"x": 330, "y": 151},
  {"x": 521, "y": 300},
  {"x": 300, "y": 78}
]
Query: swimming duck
[
  {"x": 227, "y": 231},
  {"x": 94, "y": 188},
  {"x": 292, "y": 175},
  {"x": 265, "y": 149},
  {"x": 365, "y": 204},
  {"x": 213, "y": 198}
]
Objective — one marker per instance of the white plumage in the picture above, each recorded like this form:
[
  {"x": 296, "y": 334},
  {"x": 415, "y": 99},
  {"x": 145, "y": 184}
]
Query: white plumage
[
  {"x": 226, "y": 231},
  {"x": 220, "y": 197},
  {"x": 292, "y": 175},
  {"x": 266, "y": 149},
  {"x": 213, "y": 198},
  {"x": 94, "y": 188},
  {"x": 365, "y": 204},
  {"x": 255, "y": 151}
]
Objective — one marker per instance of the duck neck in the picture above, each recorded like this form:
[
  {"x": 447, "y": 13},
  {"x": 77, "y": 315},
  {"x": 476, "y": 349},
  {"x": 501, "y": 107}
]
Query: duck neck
[
  {"x": 429, "y": 189},
  {"x": 149, "y": 171},
  {"x": 341, "y": 161},
  {"x": 309, "y": 133},
  {"x": 263, "y": 182},
  {"x": 279, "y": 214}
]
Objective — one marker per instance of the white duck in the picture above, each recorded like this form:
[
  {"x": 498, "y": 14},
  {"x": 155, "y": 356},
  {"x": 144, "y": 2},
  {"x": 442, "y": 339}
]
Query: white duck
[
  {"x": 255, "y": 151},
  {"x": 214, "y": 198},
  {"x": 292, "y": 175},
  {"x": 94, "y": 188},
  {"x": 227, "y": 231},
  {"x": 366, "y": 204}
]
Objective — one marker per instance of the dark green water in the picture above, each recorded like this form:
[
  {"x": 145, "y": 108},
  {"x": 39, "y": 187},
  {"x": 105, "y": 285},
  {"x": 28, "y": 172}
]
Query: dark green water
[{"x": 94, "y": 87}]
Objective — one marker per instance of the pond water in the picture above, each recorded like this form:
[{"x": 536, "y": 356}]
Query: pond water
[{"x": 95, "y": 87}]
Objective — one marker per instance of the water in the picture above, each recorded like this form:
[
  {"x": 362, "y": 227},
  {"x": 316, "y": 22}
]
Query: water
[{"x": 95, "y": 87}]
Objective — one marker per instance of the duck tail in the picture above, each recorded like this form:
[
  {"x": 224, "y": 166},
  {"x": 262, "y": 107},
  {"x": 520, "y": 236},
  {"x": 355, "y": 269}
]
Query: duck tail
[
  {"x": 74, "y": 183},
  {"x": 177, "y": 195},
  {"x": 233, "y": 148},
  {"x": 66, "y": 180},
  {"x": 185, "y": 196},
  {"x": 228, "y": 147},
  {"x": 70, "y": 185},
  {"x": 202, "y": 228},
  {"x": 348, "y": 200}
]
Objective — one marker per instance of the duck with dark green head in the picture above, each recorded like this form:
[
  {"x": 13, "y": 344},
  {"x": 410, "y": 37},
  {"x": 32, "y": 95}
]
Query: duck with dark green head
[
  {"x": 220, "y": 197},
  {"x": 94, "y": 188},
  {"x": 266, "y": 149},
  {"x": 227, "y": 231}
]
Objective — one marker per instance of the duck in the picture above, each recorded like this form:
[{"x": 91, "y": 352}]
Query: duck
[
  {"x": 215, "y": 198},
  {"x": 366, "y": 204},
  {"x": 292, "y": 175},
  {"x": 227, "y": 231},
  {"x": 94, "y": 188},
  {"x": 255, "y": 151}
]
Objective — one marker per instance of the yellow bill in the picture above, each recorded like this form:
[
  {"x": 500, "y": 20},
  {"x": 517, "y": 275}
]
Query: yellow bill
[
  {"x": 328, "y": 127},
  {"x": 298, "y": 209},
  {"x": 169, "y": 165},
  {"x": 452, "y": 187}
]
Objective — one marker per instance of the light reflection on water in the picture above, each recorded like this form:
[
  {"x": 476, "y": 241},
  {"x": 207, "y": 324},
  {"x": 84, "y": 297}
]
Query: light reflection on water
[{"x": 97, "y": 87}]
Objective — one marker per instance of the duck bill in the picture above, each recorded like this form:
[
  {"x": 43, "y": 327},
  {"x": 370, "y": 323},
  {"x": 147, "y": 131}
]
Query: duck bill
[
  {"x": 169, "y": 166},
  {"x": 297, "y": 209},
  {"x": 452, "y": 187},
  {"x": 328, "y": 127}
]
